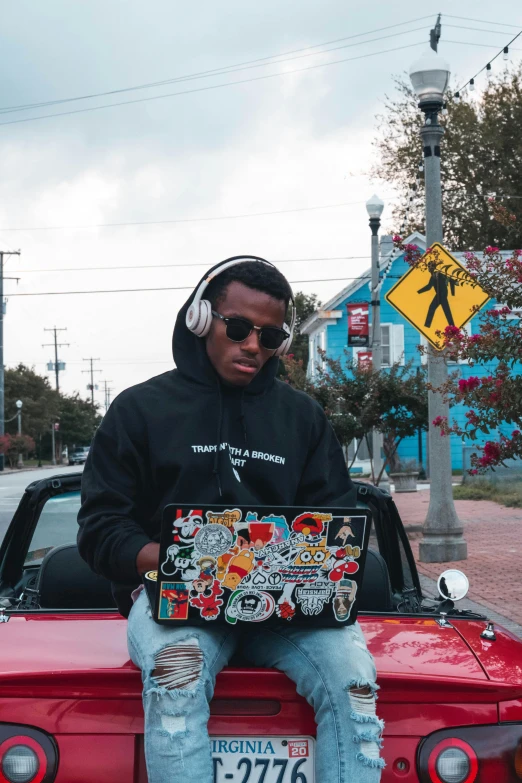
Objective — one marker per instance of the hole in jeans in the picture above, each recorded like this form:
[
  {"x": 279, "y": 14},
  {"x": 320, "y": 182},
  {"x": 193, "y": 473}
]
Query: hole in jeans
[{"x": 179, "y": 666}]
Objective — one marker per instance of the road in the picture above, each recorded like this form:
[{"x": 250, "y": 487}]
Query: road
[{"x": 12, "y": 486}]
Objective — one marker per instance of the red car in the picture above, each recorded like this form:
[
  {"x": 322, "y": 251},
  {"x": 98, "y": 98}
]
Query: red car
[{"x": 70, "y": 698}]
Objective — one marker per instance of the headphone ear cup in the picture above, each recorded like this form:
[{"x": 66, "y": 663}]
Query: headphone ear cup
[
  {"x": 199, "y": 318},
  {"x": 285, "y": 345}
]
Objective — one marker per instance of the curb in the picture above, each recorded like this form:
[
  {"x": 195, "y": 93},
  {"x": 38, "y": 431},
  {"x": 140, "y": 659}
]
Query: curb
[{"x": 16, "y": 471}]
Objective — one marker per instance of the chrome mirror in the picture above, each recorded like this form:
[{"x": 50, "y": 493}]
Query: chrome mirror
[{"x": 453, "y": 584}]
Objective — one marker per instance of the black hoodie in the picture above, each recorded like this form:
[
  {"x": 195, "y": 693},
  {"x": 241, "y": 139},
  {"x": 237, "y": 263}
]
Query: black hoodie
[{"x": 184, "y": 437}]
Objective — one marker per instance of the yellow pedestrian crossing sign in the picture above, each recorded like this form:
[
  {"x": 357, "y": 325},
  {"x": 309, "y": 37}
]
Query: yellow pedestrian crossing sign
[{"x": 435, "y": 293}]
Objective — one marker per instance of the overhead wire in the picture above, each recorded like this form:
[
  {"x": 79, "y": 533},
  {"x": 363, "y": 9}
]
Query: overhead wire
[
  {"x": 186, "y": 265},
  {"x": 481, "y": 21},
  {"x": 209, "y": 87},
  {"x": 258, "y": 62},
  {"x": 164, "y": 288},
  {"x": 184, "y": 220}
]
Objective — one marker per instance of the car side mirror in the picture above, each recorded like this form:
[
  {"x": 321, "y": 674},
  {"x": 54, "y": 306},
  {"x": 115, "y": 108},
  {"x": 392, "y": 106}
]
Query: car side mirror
[{"x": 453, "y": 584}]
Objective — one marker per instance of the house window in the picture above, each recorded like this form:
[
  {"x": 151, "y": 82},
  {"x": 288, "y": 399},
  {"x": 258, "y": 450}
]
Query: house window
[
  {"x": 392, "y": 345},
  {"x": 386, "y": 348}
]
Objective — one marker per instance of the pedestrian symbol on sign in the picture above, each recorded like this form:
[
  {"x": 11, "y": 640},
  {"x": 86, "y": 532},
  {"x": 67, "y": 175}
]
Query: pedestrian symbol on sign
[{"x": 440, "y": 283}]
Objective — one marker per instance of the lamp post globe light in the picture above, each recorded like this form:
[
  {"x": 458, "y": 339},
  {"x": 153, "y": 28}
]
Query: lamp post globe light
[
  {"x": 374, "y": 207},
  {"x": 443, "y": 539},
  {"x": 19, "y": 405}
]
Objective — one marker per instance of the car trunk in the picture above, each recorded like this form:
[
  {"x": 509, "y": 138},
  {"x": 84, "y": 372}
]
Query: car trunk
[{"x": 70, "y": 675}]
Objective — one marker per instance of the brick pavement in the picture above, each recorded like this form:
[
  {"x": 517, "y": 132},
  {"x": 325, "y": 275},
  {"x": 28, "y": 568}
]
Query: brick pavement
[{"x": 493, "y": 534}]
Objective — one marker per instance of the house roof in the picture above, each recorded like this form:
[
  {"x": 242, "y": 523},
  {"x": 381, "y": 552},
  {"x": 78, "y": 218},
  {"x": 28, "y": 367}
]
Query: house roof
[{"x": 312, "y": 323}]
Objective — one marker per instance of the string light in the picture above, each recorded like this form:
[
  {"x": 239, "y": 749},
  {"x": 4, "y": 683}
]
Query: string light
[
  {"x": 504, "y": 52},
  {"x": 444, "y": 110},
  {"x": 421, "y": 165},
  {"x": 456, "y": 97}
]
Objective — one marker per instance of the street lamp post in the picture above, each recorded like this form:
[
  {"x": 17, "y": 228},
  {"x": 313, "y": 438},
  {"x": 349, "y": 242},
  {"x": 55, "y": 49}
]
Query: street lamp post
[
  {"x": 442, "y": 533},
  {"x": 19, "y": 405},
  {"x": 374, "y": 207}
]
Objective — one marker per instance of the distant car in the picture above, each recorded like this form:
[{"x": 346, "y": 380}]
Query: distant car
[
  {"x": 70, "y": 697},
  {"x": 78, "y": 456}
]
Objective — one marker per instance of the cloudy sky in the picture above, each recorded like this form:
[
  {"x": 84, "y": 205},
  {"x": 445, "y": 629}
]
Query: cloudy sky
[{"x": 182, "y": 168}]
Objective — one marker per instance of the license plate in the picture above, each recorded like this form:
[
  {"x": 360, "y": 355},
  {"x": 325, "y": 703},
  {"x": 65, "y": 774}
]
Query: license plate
[{"x": 264, "y": 759}]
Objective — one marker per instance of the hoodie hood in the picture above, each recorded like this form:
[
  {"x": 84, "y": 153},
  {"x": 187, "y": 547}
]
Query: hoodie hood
[{"x": 190, "y": 354}]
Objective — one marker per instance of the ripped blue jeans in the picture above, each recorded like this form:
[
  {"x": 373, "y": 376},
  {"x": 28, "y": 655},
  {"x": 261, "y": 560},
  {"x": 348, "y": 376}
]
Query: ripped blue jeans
[{"x": 331, "y": 668}]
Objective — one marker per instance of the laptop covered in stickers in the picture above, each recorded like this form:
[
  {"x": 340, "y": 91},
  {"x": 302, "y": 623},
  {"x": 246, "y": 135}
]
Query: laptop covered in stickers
[{"x": 259, "y": 564}]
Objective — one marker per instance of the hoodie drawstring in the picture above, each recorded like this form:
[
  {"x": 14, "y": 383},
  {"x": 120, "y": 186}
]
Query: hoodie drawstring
[
  {"x": 215, "y": 470},
  {"x": 242, "y": 418}
]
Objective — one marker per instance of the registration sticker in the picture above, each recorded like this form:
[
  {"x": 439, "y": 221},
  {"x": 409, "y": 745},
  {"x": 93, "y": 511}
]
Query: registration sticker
[{"x": 263, "y": 759}]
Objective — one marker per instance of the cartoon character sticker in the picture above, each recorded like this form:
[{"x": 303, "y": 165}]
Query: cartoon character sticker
[
  {"x": 249, "y": 605},
  {"x": 344, "y": 568},
  {"x": 173, "y": 601},
  {"x": 205, "y": 596},
  {"x": 239, "y": 566},
  {"x": 213, "y": 540},
  {"x": 180, "y": 559},
  {"x": 310, "y": 524},
  {"x": 184, "y": 528},
  {"x": 344, "y": 599}
]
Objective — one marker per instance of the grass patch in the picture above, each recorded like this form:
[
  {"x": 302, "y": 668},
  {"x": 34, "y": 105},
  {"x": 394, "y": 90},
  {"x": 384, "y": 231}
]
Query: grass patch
[{"x": 507, "y": 494}]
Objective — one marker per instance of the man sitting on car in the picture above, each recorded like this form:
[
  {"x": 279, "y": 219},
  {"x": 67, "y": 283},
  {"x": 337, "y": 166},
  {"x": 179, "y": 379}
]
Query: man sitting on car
[{"x": 154, "y": 447}]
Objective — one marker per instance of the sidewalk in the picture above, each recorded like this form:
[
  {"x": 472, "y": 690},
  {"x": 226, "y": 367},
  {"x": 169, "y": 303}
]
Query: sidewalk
[{"x": 493, "y": 566}]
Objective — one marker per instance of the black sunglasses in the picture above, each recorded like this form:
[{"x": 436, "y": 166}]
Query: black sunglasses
[{"x": 238, "y": 329}]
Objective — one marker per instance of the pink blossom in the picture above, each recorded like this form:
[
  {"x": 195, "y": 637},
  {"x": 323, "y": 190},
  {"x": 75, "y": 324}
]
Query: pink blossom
[
  {"x": 469, "y": 384},
  {"x": 439, "y": 421},
  {"x": 474, "y": 472},
  {"x": 396, "y": 239},
  {"x": 517, "y": 253},
  {"x": 515, "y": 433},
  {"x": 491, "y": 249}
]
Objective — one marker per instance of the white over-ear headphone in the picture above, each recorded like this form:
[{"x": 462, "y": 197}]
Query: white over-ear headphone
[{"x": 199, "y": 314}]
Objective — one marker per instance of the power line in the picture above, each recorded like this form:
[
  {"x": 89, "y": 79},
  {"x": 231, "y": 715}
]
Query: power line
[
  {"x": 481, "y": 21},
  {"x": 476, "y": 29},
  {"x": 187, "y": 265},
  {"x": 166, "y": 288},
  {"x": 210, "y": 87},
  {"x": 213, "y": 71},
  {"x": 472, "y": 43},
  {"x": 185, "y": 220}
]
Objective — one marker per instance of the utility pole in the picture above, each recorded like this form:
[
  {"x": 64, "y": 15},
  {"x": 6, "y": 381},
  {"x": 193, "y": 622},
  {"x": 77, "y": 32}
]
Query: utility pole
[
  {"x": 57, "y": 364},
  {"x": 443, "y": 539},
  {"x": 107, "y": 394},
  {"x": 2, "y": 278},
  {"x": 91, "y": 371},
  {"x": 435, "y": 34}
]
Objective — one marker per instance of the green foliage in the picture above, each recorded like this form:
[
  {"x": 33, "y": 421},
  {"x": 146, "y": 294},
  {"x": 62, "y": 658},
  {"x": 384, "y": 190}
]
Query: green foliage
[
  {"x": 42, "y": 406},
  {"x": 508, "y": 494},
  {"x": 40, "y": 401},
  {"x": 481, "y": 154},
  {"x": 356, "y": 400}
]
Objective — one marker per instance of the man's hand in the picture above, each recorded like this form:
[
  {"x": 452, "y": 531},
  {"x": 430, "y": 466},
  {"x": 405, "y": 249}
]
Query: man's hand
[{"x": 148, "y": 557}]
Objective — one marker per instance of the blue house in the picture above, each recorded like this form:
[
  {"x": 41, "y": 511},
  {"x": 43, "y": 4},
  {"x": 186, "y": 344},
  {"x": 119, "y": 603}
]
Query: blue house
[{"x": 327, "y": 330}]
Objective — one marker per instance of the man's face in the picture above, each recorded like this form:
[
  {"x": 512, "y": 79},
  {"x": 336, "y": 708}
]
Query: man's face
[{"x": 239, "y": 363}]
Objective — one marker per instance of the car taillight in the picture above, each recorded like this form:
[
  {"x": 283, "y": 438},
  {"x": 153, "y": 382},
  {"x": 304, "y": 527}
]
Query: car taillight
[
  {"x": 476, "y": 754},
  {"x": 452, "y": 761},
  {"x": 27, "y": 755}
]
